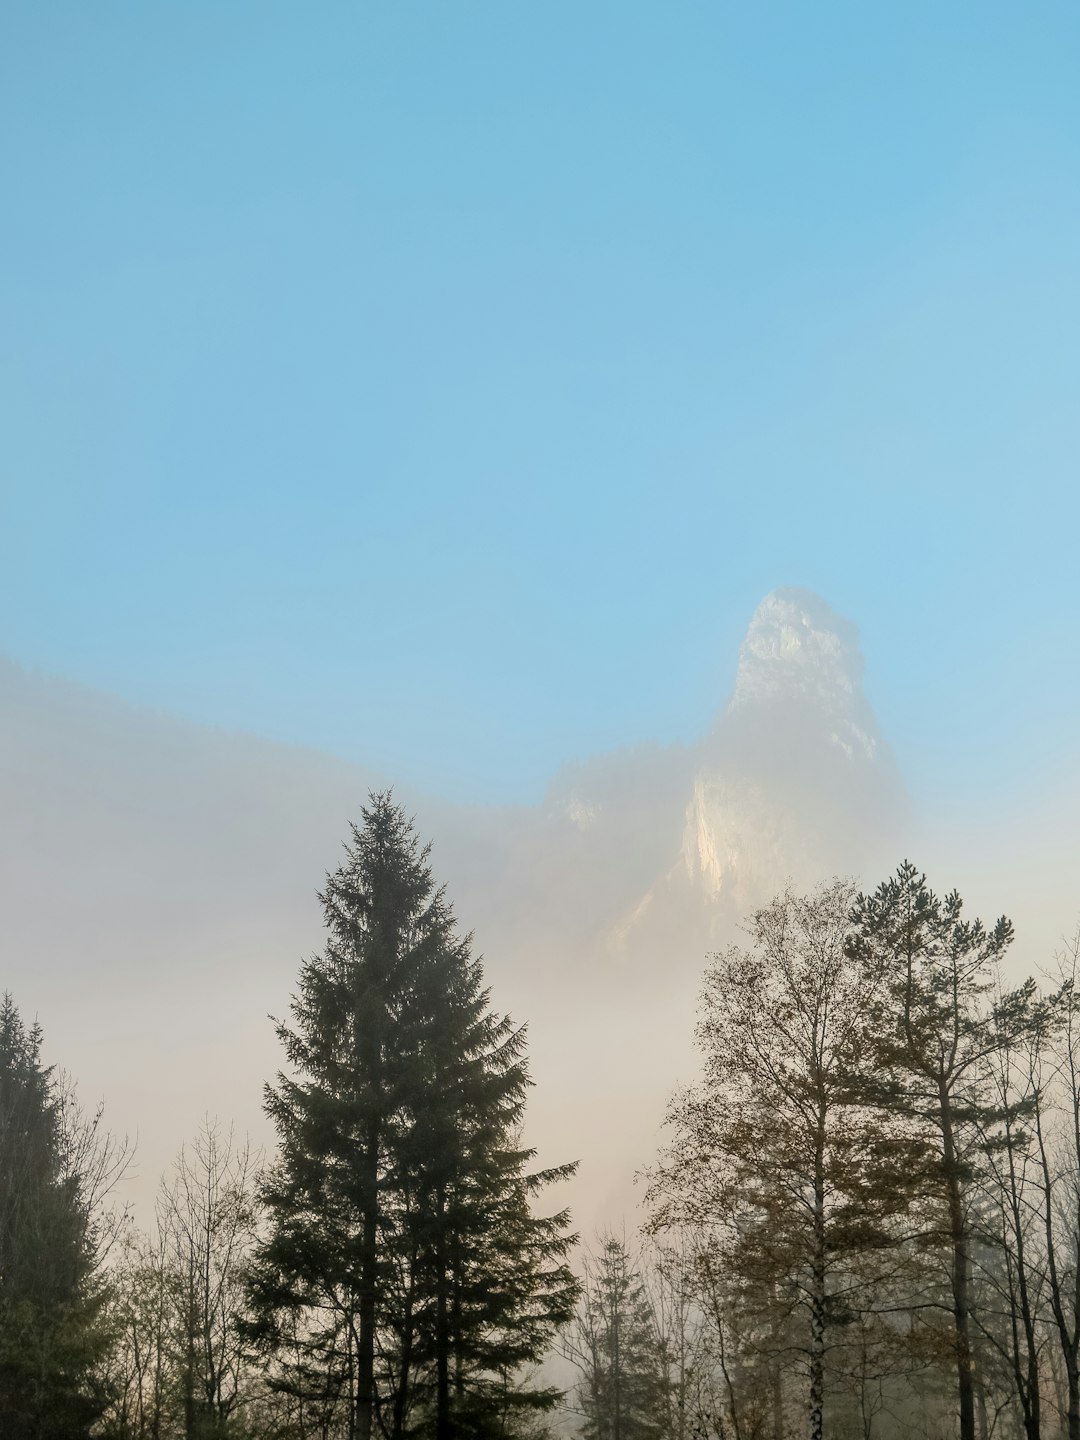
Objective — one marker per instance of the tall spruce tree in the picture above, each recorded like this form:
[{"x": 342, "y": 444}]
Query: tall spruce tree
[
  {"x": 489, "y": 1281},
  {"x": 403, "y": 1270},
  {"x": 50, "y": 1340}
]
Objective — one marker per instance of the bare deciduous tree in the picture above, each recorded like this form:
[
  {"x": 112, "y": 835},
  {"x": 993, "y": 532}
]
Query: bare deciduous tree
[
  {"x": 773, "y": 1151},
  {"x": 207, "y": 1220}
]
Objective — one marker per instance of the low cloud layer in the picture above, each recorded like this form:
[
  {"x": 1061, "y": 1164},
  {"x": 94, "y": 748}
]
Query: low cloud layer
[{"x": 158, "y": 883}]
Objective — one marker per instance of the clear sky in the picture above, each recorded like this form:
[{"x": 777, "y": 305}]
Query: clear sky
[{"x": 443, "y": 384}]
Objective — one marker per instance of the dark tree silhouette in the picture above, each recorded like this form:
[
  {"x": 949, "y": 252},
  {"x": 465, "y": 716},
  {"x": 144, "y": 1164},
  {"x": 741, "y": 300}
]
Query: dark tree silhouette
[{"x": 403, "y": 1262}]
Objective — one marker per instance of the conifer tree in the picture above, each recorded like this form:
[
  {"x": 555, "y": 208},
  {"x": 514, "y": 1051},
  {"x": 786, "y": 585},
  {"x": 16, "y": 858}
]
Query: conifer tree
[
  {"x": 616, "y": 1346},
  {"x": 50, "y": 1338},
  {"x": 403, "y": 1264}
]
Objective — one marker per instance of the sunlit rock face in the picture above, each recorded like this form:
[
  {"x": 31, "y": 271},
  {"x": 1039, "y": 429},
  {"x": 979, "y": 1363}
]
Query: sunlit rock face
[
  {"x": 794, "y": 781},
  {"x": 643, "y": 860}
]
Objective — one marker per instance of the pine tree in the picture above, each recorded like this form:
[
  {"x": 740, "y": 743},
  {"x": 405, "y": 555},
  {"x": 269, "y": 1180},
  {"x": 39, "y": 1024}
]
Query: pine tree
[
  {"x": 616, "y": 1346},
  {"x": 50, "y": 1339},
  {"x": 490, "y": 1282},
  {"x": 403, "y": 1269}
]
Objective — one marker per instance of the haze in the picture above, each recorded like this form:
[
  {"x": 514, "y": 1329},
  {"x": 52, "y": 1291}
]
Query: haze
[{"x": 445, "y": 397}]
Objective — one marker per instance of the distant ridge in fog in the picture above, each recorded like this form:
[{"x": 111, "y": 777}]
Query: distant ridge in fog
[
  {"x": 793, "y": 781},
  {"x": 157, "y": 884}
]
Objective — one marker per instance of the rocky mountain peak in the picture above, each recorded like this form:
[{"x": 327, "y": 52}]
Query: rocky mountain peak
[
  {"x": 796, "y": 645},
  {"x": 794, "y": 781},
  {"x": 799, "y": 656}
]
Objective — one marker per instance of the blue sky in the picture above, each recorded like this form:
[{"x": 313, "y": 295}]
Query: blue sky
[{"x": 444, "y": 384}]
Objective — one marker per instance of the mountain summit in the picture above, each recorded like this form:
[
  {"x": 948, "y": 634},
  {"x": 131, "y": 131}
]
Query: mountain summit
[
  {"x": 797, "y": 651},
  {"x": 793, "y": 782},
  {"x": 659, "y": 850}
]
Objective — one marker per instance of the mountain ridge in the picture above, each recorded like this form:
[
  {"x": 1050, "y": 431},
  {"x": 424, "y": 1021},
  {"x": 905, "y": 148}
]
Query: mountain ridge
[{"x": 158, "y": 879}]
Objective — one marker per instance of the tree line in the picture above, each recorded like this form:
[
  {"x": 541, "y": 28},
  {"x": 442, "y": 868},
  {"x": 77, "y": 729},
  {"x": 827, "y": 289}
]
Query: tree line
[
  {"x": 864, "y": 1220},
  {"x": 869, "y": 1203}
]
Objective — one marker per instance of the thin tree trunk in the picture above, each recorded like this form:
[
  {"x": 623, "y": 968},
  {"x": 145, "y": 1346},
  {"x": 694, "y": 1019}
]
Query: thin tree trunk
[
  {"x": 362, "y": 1426},
  {"x": 443, "y": 1424},
  {"x": 401, "y": 1392},
  {"x": 817, "y": 1303},
  {"x": 1072, "y": 1368},
  {"x": 1067, "y": 1335},
  {"x": 778, "y": 1404},
  {"x": 729, "y": 1386},
  {"x": 189, "y": 1364},
  {"x": 961, "y": 1272},
  {"x": 1025, "y": 1359},
  {"x": 616, "y": 1370}
]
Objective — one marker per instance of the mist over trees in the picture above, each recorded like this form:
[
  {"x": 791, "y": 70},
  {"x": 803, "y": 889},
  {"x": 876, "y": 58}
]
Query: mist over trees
[{"x": 863, "y": 1220}]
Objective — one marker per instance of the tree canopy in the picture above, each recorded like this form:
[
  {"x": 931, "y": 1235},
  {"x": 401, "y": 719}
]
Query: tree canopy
[
  {"x": 403, "y": 1258},
  {"x": 50, "y": 1298}
]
